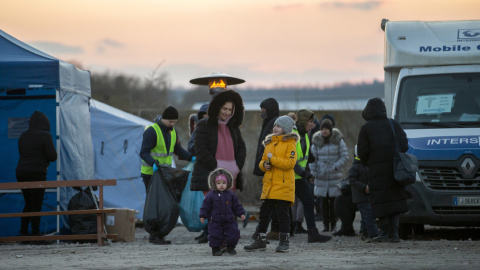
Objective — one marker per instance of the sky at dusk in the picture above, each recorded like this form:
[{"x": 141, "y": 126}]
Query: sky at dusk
[{"x": 266, "y": 42}]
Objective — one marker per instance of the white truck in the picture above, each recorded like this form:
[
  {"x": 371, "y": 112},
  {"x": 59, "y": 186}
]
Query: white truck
[{"x": 432, "y": 88}]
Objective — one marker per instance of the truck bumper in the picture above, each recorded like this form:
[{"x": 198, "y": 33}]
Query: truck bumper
[{"x": 436, "y": 208}]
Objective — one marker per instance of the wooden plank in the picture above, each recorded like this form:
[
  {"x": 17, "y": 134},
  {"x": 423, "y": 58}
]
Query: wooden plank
[
  {"x": 58, "y": 213},
  {"x": 54, "y": 184},
  {"x": 56, "y": 237}
]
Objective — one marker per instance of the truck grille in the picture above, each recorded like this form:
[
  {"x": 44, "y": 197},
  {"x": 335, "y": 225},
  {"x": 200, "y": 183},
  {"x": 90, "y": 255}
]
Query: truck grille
[
  {"x": 442, "y": 178},
  {"x": 450, "y": 210}
]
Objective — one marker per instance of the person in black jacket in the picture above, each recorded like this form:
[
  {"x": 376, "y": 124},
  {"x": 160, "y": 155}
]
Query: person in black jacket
[
  {"x": 156, "y": 153},
  {"x": 270, "y": 113},
  {"x": 357, "y": 176},
  {"x": 207, "y": 140},
  {"x": 202, "y": 113},
  {"x": 37, "y": 150},
  {"x": 376, "y": 149}
]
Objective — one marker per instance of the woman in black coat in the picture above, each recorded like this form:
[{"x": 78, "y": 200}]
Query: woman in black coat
[
  {"x": 36, "y": 150},
  {"x": 206, "y": 141},
  {"x": 376, "y": 148}
]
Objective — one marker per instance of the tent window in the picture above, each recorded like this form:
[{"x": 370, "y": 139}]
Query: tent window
[
  {"x": 16, "y": 126},
  {"x": 16, "y": 92}
]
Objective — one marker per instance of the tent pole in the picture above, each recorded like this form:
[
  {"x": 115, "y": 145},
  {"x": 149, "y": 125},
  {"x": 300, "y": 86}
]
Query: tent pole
[{"x": 57, "y": 120}]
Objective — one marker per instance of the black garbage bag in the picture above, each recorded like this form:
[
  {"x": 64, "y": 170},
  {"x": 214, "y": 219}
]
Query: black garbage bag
[
  {"x": 87, "y": 223},
  {"x": 161, "y": 210},
  {"x": 176, "y": 179}
]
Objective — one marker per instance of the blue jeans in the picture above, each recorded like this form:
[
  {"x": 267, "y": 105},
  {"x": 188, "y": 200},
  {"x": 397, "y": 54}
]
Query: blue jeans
[{"x": 367, "y": 218}]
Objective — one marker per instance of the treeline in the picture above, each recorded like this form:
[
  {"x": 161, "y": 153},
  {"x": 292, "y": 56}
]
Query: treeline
[
  {"x": 152, "y": 94},
  {"x": 130, "y": 93}
]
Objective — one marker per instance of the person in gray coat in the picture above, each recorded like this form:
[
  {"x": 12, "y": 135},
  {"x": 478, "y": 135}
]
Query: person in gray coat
[{"x": 331, "y": 155}]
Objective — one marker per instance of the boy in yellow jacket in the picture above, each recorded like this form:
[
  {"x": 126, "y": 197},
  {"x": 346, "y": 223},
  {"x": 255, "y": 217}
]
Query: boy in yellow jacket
[{"x": 278, "y": 190}]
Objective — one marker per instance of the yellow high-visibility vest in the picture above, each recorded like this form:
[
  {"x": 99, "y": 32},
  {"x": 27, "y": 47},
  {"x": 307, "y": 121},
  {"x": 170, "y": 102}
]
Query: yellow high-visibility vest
[
  {"x": 302, "y": 158},
  {"x": 160, "y": 151}
]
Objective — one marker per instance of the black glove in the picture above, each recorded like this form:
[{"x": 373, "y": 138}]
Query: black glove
[{"x": 157, "y": 163}]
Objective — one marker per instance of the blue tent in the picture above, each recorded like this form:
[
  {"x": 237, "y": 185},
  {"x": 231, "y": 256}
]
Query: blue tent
[
  {"x": 117, "y": 139},
  {"x": 33, "y": 80}
]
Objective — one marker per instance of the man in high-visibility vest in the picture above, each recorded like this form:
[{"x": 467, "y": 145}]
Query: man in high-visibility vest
[
  {"x": 160, "y": 142},
  {"x": 302, "y": 191}
]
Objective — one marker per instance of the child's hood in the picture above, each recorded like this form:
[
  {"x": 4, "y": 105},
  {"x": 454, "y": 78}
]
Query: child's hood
[
  {"x": 285, "y": 138},
  {"x": 217, "y": 172}
]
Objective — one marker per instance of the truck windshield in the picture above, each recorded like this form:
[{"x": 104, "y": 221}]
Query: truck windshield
[{"x": 439, "y": 101}]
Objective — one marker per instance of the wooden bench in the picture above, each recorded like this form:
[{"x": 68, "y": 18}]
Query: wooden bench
[{"x": 100, "y": 235}]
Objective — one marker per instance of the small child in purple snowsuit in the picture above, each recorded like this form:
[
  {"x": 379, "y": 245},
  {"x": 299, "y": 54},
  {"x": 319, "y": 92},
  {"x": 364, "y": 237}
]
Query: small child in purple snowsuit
[{"x": 221, "y": 207}]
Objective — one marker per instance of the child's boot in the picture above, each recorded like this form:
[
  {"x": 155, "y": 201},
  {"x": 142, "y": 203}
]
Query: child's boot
[
  {"x": 231, "y": 250},
  {"x": 258, "y": 244},
  {"x": 216, "y": 251},
  {"x": 284, "y": 244}
]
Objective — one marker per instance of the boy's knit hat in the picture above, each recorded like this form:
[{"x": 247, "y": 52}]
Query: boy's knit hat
[
  {"x": 170, "y": 113},
  {"x": 330, "y": 117},
  {"x": 286, "y": 123}
]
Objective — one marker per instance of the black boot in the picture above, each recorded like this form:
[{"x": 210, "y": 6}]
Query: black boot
[
  {"x": 315, "y": 237},
  {"x": 158, "y": 241},
  {"x": 216, "y": 251},
  {"x": 200, "y": 236},
  {"x": 381, "y": 237},
  {"x": 394, "y": 223},
  {"x": 255, "y": 235},
  {"x": 299, "y": 229},
  {"x": 345, "y": 232},
  {"x": 284, "y": 244},
  {"x": 231, "y": 250},
  {"x": 258, "y": 244},
  {"x": 384, "y": 235}
]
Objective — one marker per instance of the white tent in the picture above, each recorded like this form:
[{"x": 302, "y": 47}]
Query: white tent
[{"x": 117, "y": 138}]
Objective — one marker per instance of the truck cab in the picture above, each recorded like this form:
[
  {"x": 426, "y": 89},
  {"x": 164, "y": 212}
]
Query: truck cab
[{"x": 432, "y": 88}]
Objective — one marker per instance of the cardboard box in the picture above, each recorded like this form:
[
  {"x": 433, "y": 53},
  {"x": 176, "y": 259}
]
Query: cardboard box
[{"x": 122, "y": 222}]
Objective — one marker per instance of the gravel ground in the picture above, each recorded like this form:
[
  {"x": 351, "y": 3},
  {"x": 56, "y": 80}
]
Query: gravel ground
[{"x": 432, "y": 251}]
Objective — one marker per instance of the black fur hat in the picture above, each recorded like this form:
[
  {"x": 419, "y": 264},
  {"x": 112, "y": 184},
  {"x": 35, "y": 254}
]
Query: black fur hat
[{"x": 219, "y": 99}]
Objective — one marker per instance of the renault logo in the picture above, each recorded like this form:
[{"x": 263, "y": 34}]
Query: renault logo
[{"x": 468, "y": 166}]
